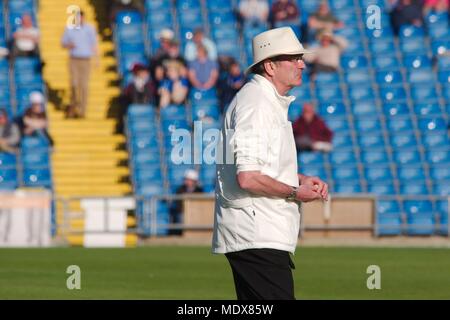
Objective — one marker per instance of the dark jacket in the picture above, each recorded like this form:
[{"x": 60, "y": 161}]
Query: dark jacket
[{"x": 317, "y": 130}]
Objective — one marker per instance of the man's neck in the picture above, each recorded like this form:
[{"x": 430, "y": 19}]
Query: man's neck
[{"x": 281, "y": 89}]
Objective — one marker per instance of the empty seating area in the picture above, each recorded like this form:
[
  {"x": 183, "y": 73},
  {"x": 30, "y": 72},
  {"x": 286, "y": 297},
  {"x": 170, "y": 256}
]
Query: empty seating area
[
  {"x": 388, "y": 107},
  {"x": 19, "y": 76}
]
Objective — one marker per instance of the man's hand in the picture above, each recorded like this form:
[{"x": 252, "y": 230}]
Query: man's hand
[
  {"x": 316, "y": 184},
  {"x": 306, "y": 193}
]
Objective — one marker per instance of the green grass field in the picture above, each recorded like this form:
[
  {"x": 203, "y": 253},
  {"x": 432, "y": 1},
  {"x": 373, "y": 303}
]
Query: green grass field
[{"x": 177, "y": 272}]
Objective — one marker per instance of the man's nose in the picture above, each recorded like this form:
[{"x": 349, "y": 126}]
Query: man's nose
[{"x": 301, "y": 64}]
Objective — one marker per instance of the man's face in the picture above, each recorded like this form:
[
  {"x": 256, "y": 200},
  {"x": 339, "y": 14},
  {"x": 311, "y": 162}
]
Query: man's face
[
  {"x": 308, "y": 112},
  {"x": 3, "y": 120},
  {"x": 288, "y": 70}
]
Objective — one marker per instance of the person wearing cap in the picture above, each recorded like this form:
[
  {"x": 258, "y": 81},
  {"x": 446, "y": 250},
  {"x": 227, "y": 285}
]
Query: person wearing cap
[
  {"x": 327, "y": 54},
  {"x": 169, "y": 54},
  {"x": 199, "y": 39},
  {"x": 190, "y": 185},
  {"x": 9, "y": 133},
  {"x": 34, "y": 120},
  {"x": 258, "y": 188},
  {"x": 141, "y": 89},
  {"x": 82, "y": 43}
]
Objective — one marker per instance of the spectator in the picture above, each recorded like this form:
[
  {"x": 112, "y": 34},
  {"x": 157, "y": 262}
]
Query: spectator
[
  {"x": 406, "y": 12},
  {"x": 284, "y": 12},
  {"x": 234, "y": 80},
  {"x": 34, "y": 121},
  {"x": 326, "y": 57},
  {"x": 190, "y": 185},
  {"x": 199, "y": 39},
  {"x": 141, "y": 90},
  {"x": 172, "y": 53},
  {"x": 437, "y": 6},
  {"x": 26, "y": 39},
  {"x": 166, "y": 37},
  {"x": 254, "y": 12},
  {"x": 175, "y": 86},
  {"x": 203, "y": 72},
  {"x": 9, "y": 133},
  {"x": 82, "y": 43},
  {"x": 310, "y": 131},
  {"x": 4, "y": 52},
  {"x": 321, "y": 20}
]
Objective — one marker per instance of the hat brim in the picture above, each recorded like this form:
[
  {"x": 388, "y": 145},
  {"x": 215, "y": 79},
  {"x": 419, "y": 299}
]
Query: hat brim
[{"x": 249, "y": 69}]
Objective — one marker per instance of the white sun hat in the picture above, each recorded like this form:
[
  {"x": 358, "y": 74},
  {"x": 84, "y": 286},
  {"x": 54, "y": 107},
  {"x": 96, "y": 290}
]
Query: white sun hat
[
  {"x": 191, "y": 174},
  {"x": 275, "y": 42},
  {"x": 36, "y": 97}
]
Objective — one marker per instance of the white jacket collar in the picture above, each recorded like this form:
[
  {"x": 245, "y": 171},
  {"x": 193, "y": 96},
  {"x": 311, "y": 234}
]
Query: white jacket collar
[{"x": 284, "y": 101}]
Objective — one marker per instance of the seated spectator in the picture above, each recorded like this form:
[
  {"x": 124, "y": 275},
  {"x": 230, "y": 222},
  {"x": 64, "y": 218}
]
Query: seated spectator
[
  {"x": 26, "y": 39},
  {"x": 233, "y": 80},
  {"x": 322, "y": 19},
  {"x": 141, "y": 89},
  {"x": 172, "y": 53},
  {"x": 9, "y": 134},
  {"x": 437, "y": 6},
  {"x": 310, "y": 131},
  {"x": 175, "y": 86},
  {"x": 34, "y": 121},
  {"x": 327, "y": 55},
  {"x": 4, "y": 52},
  {"x": 406, "y": 12},
  {"x": 203, "y": 72},
  {"x": 166, "y": 36},
  {"x": 190, "y": 185},
  {"x": 199, "y": 39},
  {"x": 284, "y": 12}
]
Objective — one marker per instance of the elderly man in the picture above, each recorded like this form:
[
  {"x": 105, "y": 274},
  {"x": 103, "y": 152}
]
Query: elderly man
[{"x": 259, "y": 192}]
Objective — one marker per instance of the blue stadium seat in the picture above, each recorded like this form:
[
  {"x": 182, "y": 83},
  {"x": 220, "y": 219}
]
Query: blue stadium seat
[
  {"x": 368, "y": 125},
  {"x": 342, "y": 157},
  {"x": 385, "y": 62},
  {"x": 407, "y": 157},
  {"x": 148, "y": 173},
  {"x": 444, "y": 76},
  {"x": 37, "y": 177},
  {"x": 419, "y": 216},
  {"x": 145, "y": 157},
  {"x": 393, "y": 94},
  {"x": 345, "y": 173},
  {"x": 337, "y": 124},
  {"x": 389, "y": 77},
  {"x": 441, "y": 172},
  {"x": 139, "y": 126},
  {"x": 383, "y": 47},
  {"x": 374, "y": 157},
  {"x": 347, "y": 188},
  {"x": 414, "y": 187},
  {"x": 389, "y": 218},
  {"x": 207, "y": 110},
  {"x": 31, "y": 142},
  {"x": 438, "y": 156},
  {"x": 410, "y": 172},
  {"x": 301, "y": 93},
  {"x": 434, "y": 139},
  {"x": 146, "y": 141},
  {"x": 139, "y": 111},
  {"x": 442, "y": 188},
  {"x": 8, "y": 179},
  {"x": 352, "y": 62},
  {"x": 342, "y": 140},
  {"x": 422, "y": 76},
  {"x": 7, "y": 159},
  {"x": 157, "y": 5},
  {"x": 173, "y": 112},
  {"x": 416, "y": 61},
  {"x": 358, "y": 76},
  {"x": 378, "y": 173},
  {"x": 149, "y": 189},
  {"x": 432, "y": 124},
  {"x": 439, "y": 46},
  {"x": 311, "y": 158},
  {"x": 364, "y": 108},
  {"x": 410, "y": 31},
  {"x": 336, "y": 108},
  {"x": 325, "y": 78},
  {"x": 443, "y": 63},
  {"x": 362, "y": 91},
  {"x": 314, "y": 170},
  {"x": 442, "y": 207},
  {"x": 394, "y": 109},
  {"x": 402, "y": 140},
  {"x": 399, "y": 124},
  {"x": 329, "y": 93},
  {"x": 424, "y": 93},
  {"x": 371, "y": 141},
  {"x": 35, "y": 158},
  {"x": 427, "y": 109},
  {"x": 413, "y": 45},
  {"x": 381, "y": 188}
]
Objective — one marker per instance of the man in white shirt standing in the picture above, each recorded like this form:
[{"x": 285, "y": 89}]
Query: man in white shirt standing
[{"x": 258, "y": 189}]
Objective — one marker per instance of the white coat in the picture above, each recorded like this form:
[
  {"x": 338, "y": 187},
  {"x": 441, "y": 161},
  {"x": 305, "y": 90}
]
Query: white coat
[{"x": 256, "y": 135}]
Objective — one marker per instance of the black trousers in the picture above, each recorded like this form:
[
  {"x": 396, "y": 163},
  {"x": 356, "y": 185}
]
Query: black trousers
[{"x": 262, "y": 274}]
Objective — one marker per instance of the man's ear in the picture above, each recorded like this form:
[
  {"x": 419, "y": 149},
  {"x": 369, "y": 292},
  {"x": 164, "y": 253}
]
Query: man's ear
[{"x": 269, "y": 66}]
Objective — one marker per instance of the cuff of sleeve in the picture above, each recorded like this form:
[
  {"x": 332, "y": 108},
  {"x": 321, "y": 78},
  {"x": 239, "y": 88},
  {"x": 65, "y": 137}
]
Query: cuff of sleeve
[{"x": 248, "y": 167}]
